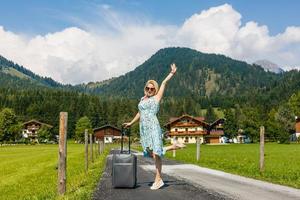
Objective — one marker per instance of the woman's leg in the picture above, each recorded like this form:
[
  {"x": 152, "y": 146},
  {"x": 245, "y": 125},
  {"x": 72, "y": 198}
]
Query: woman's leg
[
  {"x": 158, "y": 166},
  {"x": 174, "y": 146}
]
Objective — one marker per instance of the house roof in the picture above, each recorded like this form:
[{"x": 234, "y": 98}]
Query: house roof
[
  {"x": 106, "y": 126},
  {"x": 218, "y": 121},
  {"x": 38, "y": 122},
  {"x": 175, "y": 119},
  {"x": 172, "y": 119}
]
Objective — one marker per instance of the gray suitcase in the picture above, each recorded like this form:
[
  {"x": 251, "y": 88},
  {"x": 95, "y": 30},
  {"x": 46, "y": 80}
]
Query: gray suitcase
[{"x": 124, "y": 166}]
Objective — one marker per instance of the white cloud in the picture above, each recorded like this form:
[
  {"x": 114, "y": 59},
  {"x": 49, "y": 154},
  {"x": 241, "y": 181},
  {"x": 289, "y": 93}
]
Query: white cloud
[
  {"x": 219, "y": 30},
  {"x": 211, "y": 31},
  {"x": 74, "y": 55}
]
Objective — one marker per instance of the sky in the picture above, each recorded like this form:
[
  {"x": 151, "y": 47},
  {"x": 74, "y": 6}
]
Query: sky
[{"x": 78, "y": 41}]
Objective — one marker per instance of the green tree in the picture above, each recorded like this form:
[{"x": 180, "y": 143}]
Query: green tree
[
  {"x": 16, "y": 131},
  {"x": 8, "y": 122},
  {"x": 82, "y": 124},
  {"x": 210, "y": 115},
  {"x": 285, "y": 117},
  {"x": 250, "y": 122},
  {"x": 294, "y": 103},
  {"x": 44, "y": 134},
  {"x": 272, "y": 126},
  {"x": 230, "y": 125}
]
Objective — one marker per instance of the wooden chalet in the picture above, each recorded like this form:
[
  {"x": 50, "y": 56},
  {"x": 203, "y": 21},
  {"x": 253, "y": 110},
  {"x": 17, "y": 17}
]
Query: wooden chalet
[
  {"x": 31, "y": 128},
  {"x": 187, "y": 129},
  {"x": 107, "y": 133},
  {"x": 215, "y": 132}
]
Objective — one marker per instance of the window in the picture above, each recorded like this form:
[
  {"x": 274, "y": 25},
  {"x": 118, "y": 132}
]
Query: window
[
  {"x": 176, "y": 129},
  {"x": 186, "y": 139},
  {"x": 186, "y": 129}
]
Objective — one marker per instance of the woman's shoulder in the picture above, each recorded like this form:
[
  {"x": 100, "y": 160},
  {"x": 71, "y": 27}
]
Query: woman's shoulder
[
  {"x": 143, "y": 98},
  {"x": 155, "y": 99}
]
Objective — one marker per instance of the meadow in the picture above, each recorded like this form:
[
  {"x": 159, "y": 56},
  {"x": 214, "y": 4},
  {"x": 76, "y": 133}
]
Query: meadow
[
  {"x": 282, "y": 161},
  {"x": 30, "y": 172}
]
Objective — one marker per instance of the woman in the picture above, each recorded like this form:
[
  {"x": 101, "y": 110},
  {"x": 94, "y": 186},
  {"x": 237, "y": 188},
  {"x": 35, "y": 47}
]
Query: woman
[{"x": 150, "y": 131}]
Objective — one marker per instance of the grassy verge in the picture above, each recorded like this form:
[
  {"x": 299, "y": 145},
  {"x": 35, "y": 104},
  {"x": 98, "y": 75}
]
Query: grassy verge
[
  {"x": 30, "y": 172},
  {"x": 282, "y": 163}
]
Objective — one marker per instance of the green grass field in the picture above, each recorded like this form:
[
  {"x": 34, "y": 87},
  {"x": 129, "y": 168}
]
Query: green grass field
[
  {"x": 282, "y": 162},
  {"x": 29, "y": 172}
]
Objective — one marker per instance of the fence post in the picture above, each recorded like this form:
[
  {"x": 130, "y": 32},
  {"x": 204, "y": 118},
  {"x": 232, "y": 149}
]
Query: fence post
[
  {"x": 174, "y": 151},
  {"x": 91, "y": 147},
  {"x": 86, "y": 151},
  {"x": 98, "y": 147},
  {"x": 102, "y": 146},
  {"x": 262, "y": 149},
  {"x": 198, "y": 148},
  {"x": 62, "y": 156},
  {"x": 95, "y": 147}
]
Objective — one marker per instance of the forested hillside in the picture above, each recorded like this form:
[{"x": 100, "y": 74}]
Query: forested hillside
[
  {"x": 216, "y": 79},
  {"x": 198, "y": 74},
  {"x": 15, "y": 75}
]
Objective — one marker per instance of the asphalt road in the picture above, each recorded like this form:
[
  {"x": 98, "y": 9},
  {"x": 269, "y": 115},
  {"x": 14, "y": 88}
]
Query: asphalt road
[
  {"x": 174, "y": 188},
  {"x": 229, "y": 185},
  {"x": 187, "y": 181}
]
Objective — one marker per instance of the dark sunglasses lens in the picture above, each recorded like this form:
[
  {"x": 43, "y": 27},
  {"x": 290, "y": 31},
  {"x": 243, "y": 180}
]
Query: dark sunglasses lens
[{"x": 150, "y": 89}]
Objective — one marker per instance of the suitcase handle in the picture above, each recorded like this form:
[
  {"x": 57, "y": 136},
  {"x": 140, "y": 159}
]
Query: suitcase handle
[{"x": 125, "y": 131}]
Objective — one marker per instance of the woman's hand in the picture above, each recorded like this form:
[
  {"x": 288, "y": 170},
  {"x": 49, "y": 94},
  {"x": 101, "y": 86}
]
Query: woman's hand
[
  {"x": 173, "y": 68},
  {"x": 161, "y": 90},
  {"x": 126, "y": 124}
]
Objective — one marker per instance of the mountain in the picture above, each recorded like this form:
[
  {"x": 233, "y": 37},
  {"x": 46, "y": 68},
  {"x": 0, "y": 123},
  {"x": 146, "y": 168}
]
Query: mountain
[
  {"x": 207, "y": 79},
  {"x": 16, "y": 76},
  {"x": 198, "y": 74},
  {"x": 269, "y": 66},
  {"x": 89, "y": 87}
]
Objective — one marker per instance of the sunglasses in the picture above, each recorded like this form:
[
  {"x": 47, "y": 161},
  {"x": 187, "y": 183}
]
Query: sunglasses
[{"x": 150, "y": 89}]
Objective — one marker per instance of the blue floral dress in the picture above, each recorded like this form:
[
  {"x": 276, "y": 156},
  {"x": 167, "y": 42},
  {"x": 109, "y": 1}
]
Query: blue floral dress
[{"x": 150, "y": 131}]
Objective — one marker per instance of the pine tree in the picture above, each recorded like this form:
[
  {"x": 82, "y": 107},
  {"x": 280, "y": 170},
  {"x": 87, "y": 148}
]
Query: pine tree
[
  {"x": 230, "y": 125},
  {"x": 210, "y": 115}
]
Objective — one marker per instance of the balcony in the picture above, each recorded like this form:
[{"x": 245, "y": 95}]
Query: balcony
[{"x": 185, "y": 133}]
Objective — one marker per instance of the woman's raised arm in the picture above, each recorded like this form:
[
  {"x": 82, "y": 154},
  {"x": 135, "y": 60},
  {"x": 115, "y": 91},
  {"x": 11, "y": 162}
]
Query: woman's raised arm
[
  {"x": 161, "y": 90},
  {"x": 136, "y": 118}
]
